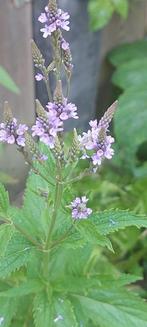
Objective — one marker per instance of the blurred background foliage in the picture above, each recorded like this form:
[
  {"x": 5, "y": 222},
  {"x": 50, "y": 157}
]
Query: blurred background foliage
[
  {"x": 101, "y": 11},
  {"x": 122, "y": 182}
]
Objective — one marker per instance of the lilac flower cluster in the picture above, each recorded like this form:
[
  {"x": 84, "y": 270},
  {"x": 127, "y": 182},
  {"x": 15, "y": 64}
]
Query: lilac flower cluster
[
  {"x": 62, "y": 110},
  {"x": 13, "y": 133},
  {"x": 53, "y": 19},
  {"x": 48, "y": 127},
  {"x": 96, "y": 144},
  {"x": 79, "y": 209}
]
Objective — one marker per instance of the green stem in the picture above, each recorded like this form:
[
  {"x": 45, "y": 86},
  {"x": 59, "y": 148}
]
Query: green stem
[
  {"x": 47, "y": 83},
  {"x": 58, "y": 195}
]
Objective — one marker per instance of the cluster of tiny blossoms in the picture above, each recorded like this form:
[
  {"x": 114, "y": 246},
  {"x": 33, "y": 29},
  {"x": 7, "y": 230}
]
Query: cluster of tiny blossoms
[
  {"x": 13, "y": 133},
  {"x": 95, "y": 144},
  {"x": 53, "y": 19},
  {"x": 79, "y": 209}
]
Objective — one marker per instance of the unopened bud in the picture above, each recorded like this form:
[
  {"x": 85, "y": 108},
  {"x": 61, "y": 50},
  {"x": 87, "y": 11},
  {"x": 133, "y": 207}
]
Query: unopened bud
[
  {"x": 8, "y": 116},
  {"x": 52, "y": 6},
  {"x": 40, "y": 110},
  {"x": 58, "y": 94},
  {"x": 75, "y": 148},
  {"x": 67, "y": 61},
  {"x": 102, "y": 135},
  {"x": 106, "y": 119},
  {"x": 58, "y": 149},
  {"x": 37, "y": 55},
  {"x": 30, "y": 143}
]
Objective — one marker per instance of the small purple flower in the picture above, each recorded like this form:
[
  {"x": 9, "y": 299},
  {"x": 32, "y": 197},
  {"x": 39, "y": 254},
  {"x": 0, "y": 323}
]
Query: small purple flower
[
  {"x": 62, "y": 110},
  {"x": 39, "y": 77},
  {"x": 13, "y": 133},
  {"x": 64, "y": 44},
  {"x": 79, "y": 209},
  {"x": 53, "y": 19},
  {"x": 97, "y": 140},
  {"x": 47, "y": 129}
]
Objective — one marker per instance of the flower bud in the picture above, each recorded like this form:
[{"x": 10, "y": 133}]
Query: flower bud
[
  {"x": 75, "y": 148},
  {"x": 58, "y": 94},
  {"x": 52, "y": 6},
  {"x": 58, "y": 149},
  {"x": 8, "y": 117},
  {"x": 106, "y": 119},
  {"x": 37, "y": 55}
]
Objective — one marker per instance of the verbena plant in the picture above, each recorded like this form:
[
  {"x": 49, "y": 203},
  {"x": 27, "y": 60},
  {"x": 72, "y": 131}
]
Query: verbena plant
[{"x": 52, "y": 268}]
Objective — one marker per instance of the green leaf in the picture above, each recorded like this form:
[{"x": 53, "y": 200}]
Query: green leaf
[
  {"x": 16, "y": 255},
  {"x": 131, "y": 74},
  {"x": 4, "y": 201},
  {"x": 90, "y": 233},
  {"x": 5, "y": 236},
  {"x": 100, "y": 12},
  {"x": 26, "y": 288},
  {"x": 63, "y": 313},
  {"x": 95, "y": 281},
  {"x": 121, "y": 6},
  {"x": 43, "y": 310},
  {"x": 7, "y": 311},
  {"x": 7, "y": 82},
  {"x": 121, "y": 308},
  {"x": 128, "y": 52},
  {"x": 110, "y": 221},
  {"x": 131, "y": 112}
]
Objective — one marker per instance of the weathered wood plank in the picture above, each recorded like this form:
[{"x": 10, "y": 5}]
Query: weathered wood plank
[{"x": 15, "y": 57}]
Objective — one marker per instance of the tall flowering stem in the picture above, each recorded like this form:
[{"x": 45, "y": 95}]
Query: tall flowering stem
[
  {"x": 57, "y": 203},
  {"x": 94, "y": 145}
]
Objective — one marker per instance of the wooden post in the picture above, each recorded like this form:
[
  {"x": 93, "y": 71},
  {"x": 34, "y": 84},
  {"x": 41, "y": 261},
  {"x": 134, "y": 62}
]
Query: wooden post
[{"x": 15, "y": 57}]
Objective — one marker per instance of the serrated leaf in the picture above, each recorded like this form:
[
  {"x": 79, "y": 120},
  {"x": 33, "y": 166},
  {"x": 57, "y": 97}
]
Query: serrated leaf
[
  {"x": 132, "y": 73},
  {"x": 43, "y": 310},
  {"x": 63, "y": 313},
  {"x": 121, "y": 308},
  {"x": 5, "y": 236},
  {"x": 7, "y": 82},
  {"x": 16, "y": 255},
  {"x": 128, "y": 52},
  {"x": 95, "y": 281},
  {"x": 100, "y": 13},
  {"x": 129, "y": 139},
  {"x": 110, "y": 221},
  {"x": 7, "y": 311},
  {"x": 4, "y": 201},
  {"x": 90, "y": 233},
  {"x": 26, "y": 288}
]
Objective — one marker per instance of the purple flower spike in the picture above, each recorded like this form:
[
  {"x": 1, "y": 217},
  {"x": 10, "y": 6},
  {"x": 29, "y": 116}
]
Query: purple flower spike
[
  {"x": 79, "y": 209},
  {"x": 97, "y": 140},
  {"x": 12, "y": 133},
  {"x": 53, "y": 19},
  {"x": 47, "y": 129},
  {"x": 62, "y": 110}
]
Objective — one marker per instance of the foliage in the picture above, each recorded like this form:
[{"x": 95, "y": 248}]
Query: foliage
[
  {"x": 7, "y": 82},
  {"x": 101, "y": 11},
  {"x": 130, "y": 76},
  {"x": 74, "y": 268}
]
